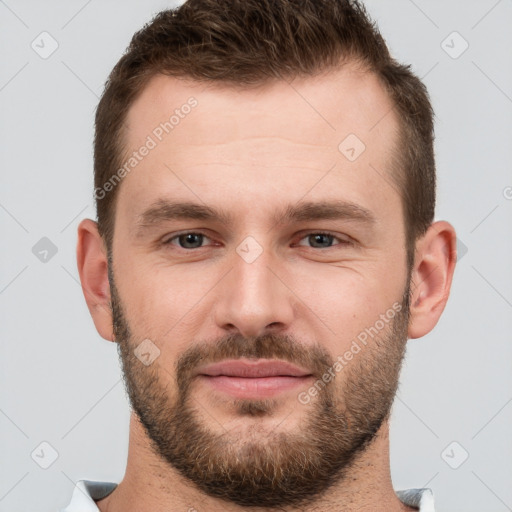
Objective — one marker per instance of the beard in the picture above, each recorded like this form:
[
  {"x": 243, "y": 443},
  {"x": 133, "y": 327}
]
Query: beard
[{"x": 258, "y": 466}]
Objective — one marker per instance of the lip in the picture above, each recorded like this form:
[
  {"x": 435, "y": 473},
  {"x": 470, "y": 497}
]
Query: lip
[
  {"x": 259, "y": 368},
  {"x": 243, "y": 378}
]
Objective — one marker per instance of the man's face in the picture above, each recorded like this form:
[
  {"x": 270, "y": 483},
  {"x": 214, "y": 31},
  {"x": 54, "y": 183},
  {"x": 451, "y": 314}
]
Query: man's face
[{"x": 272, "y": 280}]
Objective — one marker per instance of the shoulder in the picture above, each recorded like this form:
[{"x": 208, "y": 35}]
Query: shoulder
[
  {"x": 423, "y": 499},
  {"x": 85, "y": 493}
]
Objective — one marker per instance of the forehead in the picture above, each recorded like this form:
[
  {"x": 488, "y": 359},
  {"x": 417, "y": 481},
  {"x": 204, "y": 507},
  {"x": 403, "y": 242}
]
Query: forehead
[
  {"x": 282, "y": 136},
  {"x": 329, "y": 105}
]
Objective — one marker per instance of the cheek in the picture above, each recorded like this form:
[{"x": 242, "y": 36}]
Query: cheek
[
  {"x": 344, "y": 302},
  {"x": 342, "y": 298},
  {"x": 162, "y": 300}
]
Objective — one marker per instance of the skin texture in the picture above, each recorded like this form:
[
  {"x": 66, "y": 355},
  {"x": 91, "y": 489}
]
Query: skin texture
[{"x": 251, "y": 153}]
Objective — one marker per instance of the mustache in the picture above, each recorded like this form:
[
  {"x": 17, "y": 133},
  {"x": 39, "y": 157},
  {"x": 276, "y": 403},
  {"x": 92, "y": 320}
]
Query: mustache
[{"x": 268, "y": 346}]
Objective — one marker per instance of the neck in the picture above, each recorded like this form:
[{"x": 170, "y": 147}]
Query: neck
[{"x": 151, "y": 485}]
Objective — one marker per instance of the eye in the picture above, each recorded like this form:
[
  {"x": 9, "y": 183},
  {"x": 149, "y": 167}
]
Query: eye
[
  {"x": 316, "y": 240},
  {"x": 323, "y": 240},
  {"x": 189, "y": 240}
]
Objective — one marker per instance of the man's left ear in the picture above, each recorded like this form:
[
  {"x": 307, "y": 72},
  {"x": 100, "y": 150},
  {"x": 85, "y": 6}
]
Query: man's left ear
[{"x": 431, "y": 277}]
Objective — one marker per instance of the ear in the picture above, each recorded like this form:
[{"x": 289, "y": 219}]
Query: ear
[
  {"x": 92, "y": 262},
  {"x": 431, "y": 277}
]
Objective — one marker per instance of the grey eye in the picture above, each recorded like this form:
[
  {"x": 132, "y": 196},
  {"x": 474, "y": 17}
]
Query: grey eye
[
  {"x": 190, "y": 240},
  {"x": 320, "y": 240}
]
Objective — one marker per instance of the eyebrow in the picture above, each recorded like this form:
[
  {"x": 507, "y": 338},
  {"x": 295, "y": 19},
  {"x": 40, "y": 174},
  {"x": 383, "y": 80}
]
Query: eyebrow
[
  {"x": 164, "y": 210},
  {"x": 326, "y": 210}
]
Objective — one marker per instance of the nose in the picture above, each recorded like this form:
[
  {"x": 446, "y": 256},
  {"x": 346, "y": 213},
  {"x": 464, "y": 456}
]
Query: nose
[{"x": 253, "y": 298}]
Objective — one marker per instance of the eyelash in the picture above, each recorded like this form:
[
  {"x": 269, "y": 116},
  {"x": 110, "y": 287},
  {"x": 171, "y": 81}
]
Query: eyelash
[{"x": 325, "y": 233}]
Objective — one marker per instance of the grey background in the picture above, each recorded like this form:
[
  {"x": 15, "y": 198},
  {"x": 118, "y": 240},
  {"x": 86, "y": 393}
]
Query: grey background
[{"x": 60, "y": 383}]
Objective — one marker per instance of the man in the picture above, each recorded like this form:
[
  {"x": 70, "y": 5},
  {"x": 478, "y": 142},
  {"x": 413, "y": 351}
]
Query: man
[{"x": 265, "y": 246}]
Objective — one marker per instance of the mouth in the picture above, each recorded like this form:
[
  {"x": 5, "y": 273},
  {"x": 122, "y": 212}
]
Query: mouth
[{"x": 257, "y": 379}]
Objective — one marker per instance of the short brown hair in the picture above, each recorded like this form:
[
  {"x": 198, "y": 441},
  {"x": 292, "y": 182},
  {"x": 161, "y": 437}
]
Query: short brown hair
[{"x": 250, "y": 42}]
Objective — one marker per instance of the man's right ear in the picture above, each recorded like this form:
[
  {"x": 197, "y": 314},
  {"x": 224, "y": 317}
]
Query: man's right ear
[{"x": 93, "y": 269}]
